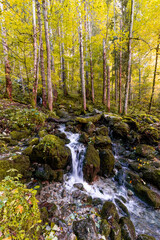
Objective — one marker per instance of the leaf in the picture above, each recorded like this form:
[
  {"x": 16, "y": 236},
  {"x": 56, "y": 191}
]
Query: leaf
[{"x": 20, "y": 209}]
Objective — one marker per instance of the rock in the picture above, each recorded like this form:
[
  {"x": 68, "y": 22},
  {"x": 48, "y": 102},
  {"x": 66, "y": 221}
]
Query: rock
[
  {"x": 133, "y": 124},
  {"x": 19, "y": 135},
  {"x": 115, "y": 231},
  {"x": 106, "y": 162},
  {"x": 145, "y": 237},
  {"x": 28, "y": 150},
  {"x": 52, "y": 151},
  {"x": 149, "y": 135},
  {"x": 19, "y": 162},
  {"x": 79, "y": 186},
  {"x": 92, "y": 119},
  {"x": 34, "y": 141},
  {"x": 122, "y": 207},
  {"x": 121, "y": 129},
  {"x": 62, "y": 113},
  {"x": 127, "y": 229},
  {"x": 102, "y": 142},
  {"x": 152, "y": 176},
  {"x": 145, "y": 150},
  {"x": 42, "y": 133},
  {"x": 109, "y": 211},
  {"x": 92, "y": 163},
  {"x": 105, "y": 228},
  {"x": 111, "y": 118},
  {"x": 130, "y": 193},
  {"x": 72, "y": 236},
  {"x": 84, "y": 138},
  {"x": 102, "y": 131},
  {"x": 85, "y": 229},
  {"x": 90, "y": 128}
]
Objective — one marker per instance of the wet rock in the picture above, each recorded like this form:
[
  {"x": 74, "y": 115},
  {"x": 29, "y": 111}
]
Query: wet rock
[
  {"x": 84, "y": 138},
  {"x": 105, "y": 228},
  {"x": 52, "y": 151},
  {"x": 115, "y": 231},
  {"x": 92, "y": 163},
  {"x": 79, "y": 186},
  {"x": 123, "y": 209},
  {"x": 85, "y": 229},
  {"x": 102, "y": 142},
  {"x": 145, "y": 150},
  {"x": 62, "y": 113},
  {"x": 121, "y": 129},
  {"x": 106, "y": 162},
  {"x": 145, "y": 237},
  {"x": 127, "y": 229},
  {"x": 72, "y": 236},
  {"x": 90, "y": 128},
  {"x": 152, "y": 176},
  {"x": 97, "y": 201},
  {"x": 92, "y": 119},
  {"x": 102, "y": 131},
  {"x": 109, "y": 211},
  {"x": 119, "y": 177},
  {"x": 130, "y": 193}
]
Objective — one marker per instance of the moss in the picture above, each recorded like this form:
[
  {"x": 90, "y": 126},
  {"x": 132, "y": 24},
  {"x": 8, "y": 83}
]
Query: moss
[
  {"x": 102, "y": 142},
  {"x": 42, "y": 133},
  {"x": 131, "y": 122},
  {"x": 115, "y": 231},
  {"x": 28, "y": 151},
  {"x": 145, "y": 237},
  {"x": 149, "y": 135},
  {"x": 127, "y": 229},
  {"x": 106, "y": 162},
  {"x": 102, "y": 131},
  {"x": 122, "y": 208},
  {"x": 16, "y": 135},
  {"x": 92, "y": 119},
  {"x": 34, "y": 141},
  {"x": 105, "y": 228},
  {"x": 121, "y": 129},
  {"x": 92, "y": 163},
  {"x": 52, "y": 151},
  {"x": 19, "y": 162},
  {"x": 109, "y": 211},
  {"x": 145, "y": 150}
]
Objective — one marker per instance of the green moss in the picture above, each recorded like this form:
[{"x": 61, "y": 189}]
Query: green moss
[
  {"x": 28, "y": 151},
  {"x": 105, "y": 228},
  {"x": 109, "y": 211},
  {"x": 102, "y": 131},
  {"x": 34, "y": 141},
  {"x": 107, "y": 162},
  {"x": 145, "y": 150},
  {"x": 102, "y": 142},
  {"x": 15, "y": 135},
  {"x": 42, "y": 133},
  {"x": 121, "y": 129},
  {"x": 92, "y": 119},
  {"x": 127, "y": 229}
]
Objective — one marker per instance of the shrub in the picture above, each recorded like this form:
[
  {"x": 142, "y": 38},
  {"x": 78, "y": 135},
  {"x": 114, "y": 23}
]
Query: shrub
[{"x": 19, "y": 213}]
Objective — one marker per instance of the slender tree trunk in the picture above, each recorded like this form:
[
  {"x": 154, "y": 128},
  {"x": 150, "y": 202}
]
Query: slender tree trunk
[
  {"x": 91, "y": 61},
  {"x": 115, "y": 61},
  {"x": 108, "y": 89},
  {"x": 6, "y": 59},
  {"x": 154, "y": 77},
  {"x": 125, "y": 108},
  {"x": 41, "y": 54},
  {"x": 35, "y": 55},
  {"x": 139, "y": 98},
  {"x": 50, "y": 94},
  {"x": 82, "y": 62},
  {"x": 120, "y": 77},
  {"x": 104, "y": 72}
]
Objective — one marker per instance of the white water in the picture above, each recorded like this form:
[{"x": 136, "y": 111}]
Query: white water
[{"x": 145, "y": 219}]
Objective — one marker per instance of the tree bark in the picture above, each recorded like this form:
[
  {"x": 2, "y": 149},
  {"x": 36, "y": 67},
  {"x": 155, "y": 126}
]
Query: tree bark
[
  {"x": 154, "y": 77},
  {"x": 108, "y": 88},
  {"x": 104, "y": 72},
  {"x": 41, "y": 54},
  {"x": 49, "y": 82},
  {"x": 125, "y": 108},
  {"x": 120, "y": 73},
  {"x": 6, "y": 59}
]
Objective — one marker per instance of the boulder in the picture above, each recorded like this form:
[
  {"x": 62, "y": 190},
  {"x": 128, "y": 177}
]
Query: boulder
[
  {"x": 133, "y": 124},
  {"x": 122, "y": 207},
  {"x": 109, "y": 212},
  {"x": 19, "y": 162},
  {"x": 144, "y": 150},
  {"x": 102, "y": 142},
  {"x": 92, "y": 163},
  {"x": 149, "y": 135},
  {"x": 102, "y": 131},
  {"x": 115, "y": 231},
  {"x": 52, "y": 151},
  {"x": 111, "y": 118},
  {"x": 90, "y": 128},
  {"x": 152, "y": 176},
  {"x": 105, "y": 228},
  {"x": 127, "y": 229},
  {"x": 19, "y": 135},
  {"x": 107, "y": 161},
  {"x": 84, "y": 138},
  {"x": 121, "y": 130},
  {"x": 85, "y": 229},
  {"x": 88, "y": 119}
]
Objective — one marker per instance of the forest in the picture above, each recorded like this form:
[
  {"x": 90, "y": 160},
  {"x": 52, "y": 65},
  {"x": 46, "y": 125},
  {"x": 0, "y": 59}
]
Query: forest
[{"x": 79, "y": 119}]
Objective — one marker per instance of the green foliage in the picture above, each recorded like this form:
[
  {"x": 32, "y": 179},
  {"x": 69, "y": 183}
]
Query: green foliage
[{"x": 19, "y": 213}]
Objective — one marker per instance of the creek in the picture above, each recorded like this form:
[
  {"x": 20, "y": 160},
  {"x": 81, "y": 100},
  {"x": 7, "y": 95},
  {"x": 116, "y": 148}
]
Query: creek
[{"x": 145, "y": 219}]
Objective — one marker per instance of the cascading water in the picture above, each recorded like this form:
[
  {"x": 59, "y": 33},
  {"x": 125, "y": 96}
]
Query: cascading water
[{"x": 145, "y": 219}]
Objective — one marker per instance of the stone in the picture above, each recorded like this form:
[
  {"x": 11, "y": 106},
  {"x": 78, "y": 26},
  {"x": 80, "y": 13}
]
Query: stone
[
  {"x": 115, "y": 231},
  {"x": 145, "y": 237},
  {"x": 121, "y": 129},
  {"x": 102, "y": 142},
  {"x": 109, "y": 211},
  {"x": 85, "y": 229},
  {"x": 34, "y": 141},
  {"x": 79, "y": 186},
  {"x": 127, "y": 229},
  {"x": 102, "y": 131},
  {"x": 92, "y": 163},
  {"x": 90, "y": 128},
  {"x": 107, "y": 161},
  {"x": 84, "y": 138},
  {"x": 92, "y": 119},
  {"x": 123, "y": 209},
  {"x": 149, "y": 135},
  {"x": 105, "y": 228},
  {"x": 19, "y": 135},
  {"x": 145, "y": 150}
]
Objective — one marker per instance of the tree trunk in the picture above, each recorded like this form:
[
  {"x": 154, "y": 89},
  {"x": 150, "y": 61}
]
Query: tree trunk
[
  {"x": 41, "y": 55},
  {"x": 35, "y": 56},
  {"x": 108, "y": 88},
  {"x": 154, "y": 77},
  {"x": 125, "y": 108},
  {"x": 104, "y": 72},
  {"x": 6, "y": 59},
  {"x": 120, "y": 78},
  {"x": 139, "y": 98},
  {"x": 50, "y": 95},
  {"x": 82, "y": 62}
]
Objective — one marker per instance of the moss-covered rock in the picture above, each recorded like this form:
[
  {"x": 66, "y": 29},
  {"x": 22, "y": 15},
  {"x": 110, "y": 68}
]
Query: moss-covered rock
[
  {"x": 19, "y": 135},
  {"x": 133, "y": 124},
  {"x": 102, "y": 131},
  {"x": 107, "y": 161},
  {"x": 34, "y": 141},
  {"x": 127, "y": 229},
  {"x": 90, "y": 128},
  {"x": 111, "y": 118},
  {"x": 115, "y": 231},
  {"x": 85, "y": 229},
  {"x": 149, "y": 135},
  {"x": 123, "y": 209},
  {"x": 152, "y": 176},
  {"x": 42, "y": 133},
  {"x": 121, "y": 129},
  {"x": 19, "y": 162},
  {"x": 102, "y": 142},
  {"x": 92, "y": 163},
  {"x": 92, "y": 119},
  {"x": 145, "y": 150},
  {"x": 84, "y": 138},
  {"x": 109, "y": 212},
  {"x": 52, "y": 151},
  {"x": 28, "y": 151},
  {"x": 105, "y": 228},
  {"x": 145, "y": 237}
]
